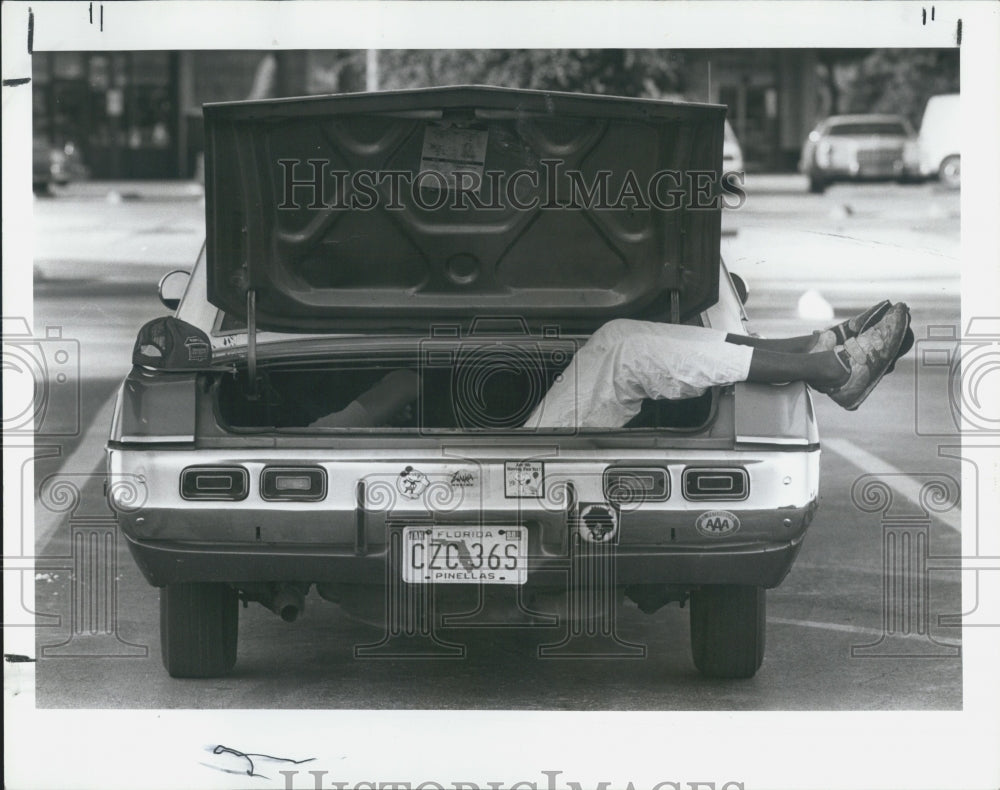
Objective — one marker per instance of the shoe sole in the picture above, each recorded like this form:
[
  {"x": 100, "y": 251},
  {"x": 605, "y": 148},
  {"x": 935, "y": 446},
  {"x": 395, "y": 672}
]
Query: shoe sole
[
  {"x": 904, "y": 347},
  {"x": 875, "y": 380}
]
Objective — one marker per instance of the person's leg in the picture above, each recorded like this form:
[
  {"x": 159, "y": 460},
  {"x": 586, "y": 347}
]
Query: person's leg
[
  {"x": 785, "y": 345},
  {"x": 626, "y": 361},
  {"x": 373, "y": 407},
  {"x": 822, "y": 370},
  {"x": 821, "y": 340}
]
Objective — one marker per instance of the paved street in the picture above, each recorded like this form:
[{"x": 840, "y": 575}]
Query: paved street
[{"x": 99, "y": 250}]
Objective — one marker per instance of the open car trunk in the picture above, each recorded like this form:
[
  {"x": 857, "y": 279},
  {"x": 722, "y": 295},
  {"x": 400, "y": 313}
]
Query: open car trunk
[
  {"x": 385, "y": 211},
  {"x": 480, "y": 388}
]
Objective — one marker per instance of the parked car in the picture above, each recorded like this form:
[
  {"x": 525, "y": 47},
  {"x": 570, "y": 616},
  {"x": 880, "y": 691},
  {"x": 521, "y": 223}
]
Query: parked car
[
  {"x": 939, "y": 140},
  {"x": 857, "y": 148},
  {"x": 314, "y": 287},
  {"x": 55, "y": 165}
]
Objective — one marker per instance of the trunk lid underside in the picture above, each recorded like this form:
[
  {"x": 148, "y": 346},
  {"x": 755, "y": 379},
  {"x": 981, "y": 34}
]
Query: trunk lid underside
[{"x": 557, "y": 223}]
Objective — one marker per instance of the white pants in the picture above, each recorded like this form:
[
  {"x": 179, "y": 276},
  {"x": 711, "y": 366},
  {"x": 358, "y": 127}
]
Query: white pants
[{"x": 625, "y": 362}]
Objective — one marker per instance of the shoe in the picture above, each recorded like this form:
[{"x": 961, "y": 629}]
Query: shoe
[
  {"x": 829, "y": 339},
  {"x": 869, "y": 356}
]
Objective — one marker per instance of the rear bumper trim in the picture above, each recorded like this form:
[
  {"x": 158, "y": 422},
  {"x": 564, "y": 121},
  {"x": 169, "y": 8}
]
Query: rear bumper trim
[{"x": 167, "y": 562}]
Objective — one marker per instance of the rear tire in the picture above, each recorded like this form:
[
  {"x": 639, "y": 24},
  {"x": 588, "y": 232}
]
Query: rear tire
[
  {"x": 817, "y": 185},
  {"x": 950, "y": 172},
  {"x": 198, "y": 629},
  {"x": 727, "y": 630}
]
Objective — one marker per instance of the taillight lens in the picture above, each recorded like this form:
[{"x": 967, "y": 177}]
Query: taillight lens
[
  {"x": 221, "y": 483},
  {"x": 306, "y": 483},
  {"x": 716, "y": 484},
  {"x": 631, "y": 485}
]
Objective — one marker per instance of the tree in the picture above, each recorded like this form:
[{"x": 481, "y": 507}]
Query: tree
[
  {"x": 831, "y": 63},
  {"x": 649, "y": 73},
  {"x": 901, "y": 81}
]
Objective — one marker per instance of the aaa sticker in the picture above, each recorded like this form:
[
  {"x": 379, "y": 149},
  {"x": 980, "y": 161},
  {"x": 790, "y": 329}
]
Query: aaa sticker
[{"x": 717, "y": 523}]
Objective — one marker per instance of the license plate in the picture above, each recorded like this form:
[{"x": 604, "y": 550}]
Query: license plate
[{"x": 465, "y": 555}]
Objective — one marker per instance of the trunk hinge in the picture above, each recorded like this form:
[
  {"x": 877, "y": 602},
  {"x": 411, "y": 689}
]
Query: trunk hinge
[
  {"x": 667, "y": 286},
  {"x": 253, "y": 388}
]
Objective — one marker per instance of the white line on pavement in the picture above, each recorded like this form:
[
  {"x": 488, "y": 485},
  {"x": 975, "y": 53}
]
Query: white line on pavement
[
  {"x": 87, "y": 457},
  {"x": 850, "y": 629},
  {"x": 899, "y": 481}
]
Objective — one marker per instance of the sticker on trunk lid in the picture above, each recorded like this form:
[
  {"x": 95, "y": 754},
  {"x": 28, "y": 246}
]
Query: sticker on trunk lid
[
  {"x": 450, "y": 149},
  {"x": 717, "y": 523},
  {"x": 524, "y": 479},
  {"x": 411, "y": 482}
]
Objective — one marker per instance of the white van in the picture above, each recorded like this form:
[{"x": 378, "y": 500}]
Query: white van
[{"x": 939, "y": 140}]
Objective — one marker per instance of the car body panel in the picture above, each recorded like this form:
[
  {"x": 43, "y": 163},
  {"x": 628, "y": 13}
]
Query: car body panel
[
  {"x": 364, "y": 504},
  {"x": 940, "y": 132}
]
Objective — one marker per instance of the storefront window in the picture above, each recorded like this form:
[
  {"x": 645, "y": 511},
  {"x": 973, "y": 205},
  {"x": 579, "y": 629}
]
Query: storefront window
[
  {"x": 100, "y": 73},
  {"x": 119, "y": 109}
]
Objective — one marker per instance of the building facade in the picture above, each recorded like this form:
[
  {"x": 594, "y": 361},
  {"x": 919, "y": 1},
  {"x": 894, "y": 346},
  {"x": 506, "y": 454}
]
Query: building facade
[
  {"x": 773, "y": 97},
  {"x": 138, "y": 114}
]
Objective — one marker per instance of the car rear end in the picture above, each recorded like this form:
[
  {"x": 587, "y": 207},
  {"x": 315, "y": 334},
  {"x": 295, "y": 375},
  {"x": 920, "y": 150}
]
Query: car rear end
[{"x": 230, "y": 483}]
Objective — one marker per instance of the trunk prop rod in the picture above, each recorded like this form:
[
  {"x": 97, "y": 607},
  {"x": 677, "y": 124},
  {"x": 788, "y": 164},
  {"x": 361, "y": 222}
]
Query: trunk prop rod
[{"x": 254, "y": 390}]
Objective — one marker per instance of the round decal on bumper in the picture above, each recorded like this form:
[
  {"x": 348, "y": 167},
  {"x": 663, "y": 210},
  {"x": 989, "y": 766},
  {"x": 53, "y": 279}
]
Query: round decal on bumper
[
  {"x": 717, "y": 523},
  {"x": 598, "y": 523}
]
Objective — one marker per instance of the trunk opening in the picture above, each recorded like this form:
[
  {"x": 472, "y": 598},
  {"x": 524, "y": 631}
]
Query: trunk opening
[{"x": 488, "y": 387}]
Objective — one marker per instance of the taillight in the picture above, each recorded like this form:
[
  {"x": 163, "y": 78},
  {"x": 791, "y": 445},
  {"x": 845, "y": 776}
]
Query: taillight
[
  {"x": 716, "y": 484},
  {"x": 306, "y": 483},
  {"x": 630, "y": 485},
  {"x": 220, "y": 483}
]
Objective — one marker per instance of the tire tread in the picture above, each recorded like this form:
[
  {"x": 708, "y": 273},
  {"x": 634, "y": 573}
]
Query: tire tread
[
  {"x": 199, "y": 625},
  {"x": 728, "y": 630}
]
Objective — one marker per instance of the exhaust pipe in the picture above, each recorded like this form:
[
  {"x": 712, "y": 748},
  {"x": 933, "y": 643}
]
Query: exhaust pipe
[{"x": 288, "y": 601}]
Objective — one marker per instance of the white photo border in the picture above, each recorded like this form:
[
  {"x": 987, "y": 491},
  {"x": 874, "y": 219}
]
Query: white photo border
[{"x": 164, "y": 749}]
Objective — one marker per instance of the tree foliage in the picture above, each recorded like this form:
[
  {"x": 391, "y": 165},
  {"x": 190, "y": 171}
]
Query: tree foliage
[
  {"x": 649, "y": 73},
  {"x": 901, "y": 80},
  {"x": 898, "y": 81}
]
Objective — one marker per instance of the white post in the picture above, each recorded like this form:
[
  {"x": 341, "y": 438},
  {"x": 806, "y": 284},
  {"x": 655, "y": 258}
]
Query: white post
[{"x": 371, "y": 70}]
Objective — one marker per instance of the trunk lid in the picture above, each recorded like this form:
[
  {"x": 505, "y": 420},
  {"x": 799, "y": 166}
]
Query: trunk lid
[{"x": 393, "y": 211}]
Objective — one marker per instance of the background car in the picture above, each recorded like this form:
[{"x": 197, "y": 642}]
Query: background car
[
  {"x": 859, "y": 147},
  {"x": 938, "y": 143},
  {"x": 55, "y": 165}
]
